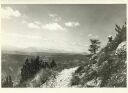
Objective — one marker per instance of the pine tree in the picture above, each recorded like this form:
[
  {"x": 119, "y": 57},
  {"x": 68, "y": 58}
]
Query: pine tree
[
  {"x": 95, "y": 45},
  {"x": 29, "y": 69},
  {"x": 53, "y": 64}
]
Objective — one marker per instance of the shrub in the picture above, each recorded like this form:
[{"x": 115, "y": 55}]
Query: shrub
[
  {"x": 41, "y": 77},
  {"x": 8, "y": 82},
  {"x": 75, "y": 80}
]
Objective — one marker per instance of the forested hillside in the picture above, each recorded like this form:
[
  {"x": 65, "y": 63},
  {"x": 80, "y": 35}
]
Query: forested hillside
[{"x": 108, "y": 67}]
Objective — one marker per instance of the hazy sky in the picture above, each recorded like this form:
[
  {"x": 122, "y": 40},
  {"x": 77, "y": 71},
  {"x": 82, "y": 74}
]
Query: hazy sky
[{"x": 59, "y": 27}]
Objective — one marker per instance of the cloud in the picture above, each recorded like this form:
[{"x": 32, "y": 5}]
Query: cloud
[
  {"x": 92, "y": 36},
  {"x": 8, "y": 12},
  {"x": 53, "y": 26},
  {"x": 52, "y": 15},
  {"x": 72, "y": 24},
  {"x": 49, "y": 26},
  {"x": 55, "y": 17},
  {"x": 24, "y": 22},
  {"x": 38, "y": 25},
  {"x": 37, "y": 22},
  {"x": 33, "y": 25}
]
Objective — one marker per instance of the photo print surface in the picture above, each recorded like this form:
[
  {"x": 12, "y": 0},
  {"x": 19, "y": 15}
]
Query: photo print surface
[{"x": 63, "y": 45}]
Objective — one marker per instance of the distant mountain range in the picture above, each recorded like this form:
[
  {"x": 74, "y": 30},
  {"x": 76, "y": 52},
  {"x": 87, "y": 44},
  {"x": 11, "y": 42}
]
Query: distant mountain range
[{"x": 35, "y": 51}]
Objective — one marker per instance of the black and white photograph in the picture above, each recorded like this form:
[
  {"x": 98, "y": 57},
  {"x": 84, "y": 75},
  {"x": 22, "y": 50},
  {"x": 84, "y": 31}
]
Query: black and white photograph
[{"x": 63, "y": 46}]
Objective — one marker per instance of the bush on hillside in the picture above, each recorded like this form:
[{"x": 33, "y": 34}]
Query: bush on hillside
[
  {"x": 41, "y": 77},
  {"x": 8, "y": 82}
]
